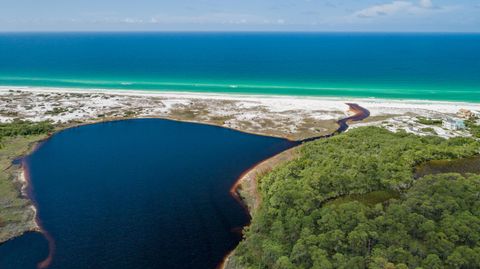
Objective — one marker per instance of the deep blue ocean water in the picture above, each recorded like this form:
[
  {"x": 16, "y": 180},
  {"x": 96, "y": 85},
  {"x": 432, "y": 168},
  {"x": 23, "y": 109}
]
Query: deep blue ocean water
[
  {"x": 138, "y": 194},
  {"x": 413, "y": 66}
]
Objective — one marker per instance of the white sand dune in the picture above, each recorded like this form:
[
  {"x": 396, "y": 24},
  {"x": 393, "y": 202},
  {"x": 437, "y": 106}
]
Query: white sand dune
[{"x": 283, "y": 116}]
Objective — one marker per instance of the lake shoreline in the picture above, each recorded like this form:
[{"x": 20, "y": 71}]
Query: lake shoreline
[
  {"x": 21, "y": 172},
  {"x": 29, "y": 193},
  {"x": 20, "y": 178},
  {"x": 31, "y": 224},
  {"x": 245, "y": 189},
  {"x": 27, "y": 189}
]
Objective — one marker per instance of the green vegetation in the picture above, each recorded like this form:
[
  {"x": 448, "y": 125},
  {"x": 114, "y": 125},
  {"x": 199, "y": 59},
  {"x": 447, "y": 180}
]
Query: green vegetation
[
  {"x": 24, "y": 128},
  {"x": 429, "y": 130},
  {"x": 369, "y": 199},
  {"x": 129, "y": 113},
  {"x": 462, "y": 166},
  {"x": 56, "y": 111},
  {"x": 473, "y": 127},
  {"x": 351, "y": 201},
  {"x": 16, "y": 139},
  {"x": 426, "y": 121}
]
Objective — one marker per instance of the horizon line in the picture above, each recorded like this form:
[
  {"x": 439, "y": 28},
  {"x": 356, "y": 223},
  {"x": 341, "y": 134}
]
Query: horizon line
[{"x": 241, "y": 31}]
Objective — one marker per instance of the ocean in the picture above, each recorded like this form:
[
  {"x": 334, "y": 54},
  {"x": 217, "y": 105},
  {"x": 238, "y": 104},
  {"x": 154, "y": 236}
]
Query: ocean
[
  {"x": 378, "y": 65},
  {"x": 138, "y": 194}
]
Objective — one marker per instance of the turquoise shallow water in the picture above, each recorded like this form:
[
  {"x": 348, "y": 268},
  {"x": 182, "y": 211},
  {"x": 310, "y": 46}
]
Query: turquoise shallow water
[{"x": 411, "y": 66}]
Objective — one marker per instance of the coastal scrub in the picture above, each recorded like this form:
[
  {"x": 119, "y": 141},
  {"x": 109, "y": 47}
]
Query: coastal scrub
[{"x": 16, "y": 211}]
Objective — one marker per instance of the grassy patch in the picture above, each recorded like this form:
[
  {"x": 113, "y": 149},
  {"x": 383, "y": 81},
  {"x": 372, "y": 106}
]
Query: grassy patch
[
  {"x": 13, "y": 211},
  {"x": 428, "y": 130},
  {"x": 376, "y": 118},
  {"x": 423, "y": 120},
  {"x": 56, "y": 111},
  {"x": 473, "y": 127}
]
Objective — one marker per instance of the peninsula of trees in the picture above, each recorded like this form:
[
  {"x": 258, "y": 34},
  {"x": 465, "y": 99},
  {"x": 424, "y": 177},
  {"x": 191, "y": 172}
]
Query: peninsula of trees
[{"x": 352, "y": 201}]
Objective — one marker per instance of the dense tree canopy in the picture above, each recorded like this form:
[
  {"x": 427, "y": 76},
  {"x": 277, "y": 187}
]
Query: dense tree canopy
[
  {"x": 19, "y": 127},
  {"x": 351, "y": 201},
  {"x": 23, "y": 128}
]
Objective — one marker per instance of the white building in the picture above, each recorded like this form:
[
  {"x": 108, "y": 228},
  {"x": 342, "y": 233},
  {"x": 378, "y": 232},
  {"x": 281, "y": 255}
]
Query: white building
[{"x": 453, "y": 124}]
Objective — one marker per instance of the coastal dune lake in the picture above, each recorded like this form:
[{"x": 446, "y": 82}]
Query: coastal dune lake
[{"x": 145, "y": 193}]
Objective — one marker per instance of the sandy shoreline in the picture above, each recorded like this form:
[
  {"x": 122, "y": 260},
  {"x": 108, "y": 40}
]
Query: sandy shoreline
[
  {"x": 23, "y": 179},
  {"x": 28, "y": 192},
  {"x": 245, "y": 189},
  {"x": 290, "y": 101},
  {"x": 290, "y": 117},
  {"x": 19, "y": 174},
  {"x": 245, "y": 192}
]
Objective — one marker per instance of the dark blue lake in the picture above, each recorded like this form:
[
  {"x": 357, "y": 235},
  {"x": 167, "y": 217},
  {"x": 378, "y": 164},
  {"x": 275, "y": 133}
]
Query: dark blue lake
[{"x": 144, "y": 193}]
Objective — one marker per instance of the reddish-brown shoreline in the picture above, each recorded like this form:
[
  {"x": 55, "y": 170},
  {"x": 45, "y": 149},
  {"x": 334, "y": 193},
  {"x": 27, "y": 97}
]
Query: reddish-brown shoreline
[
  {"x": 251, "y": 175},
  {"x": 51, "y": 242},
  {"x": 28, "y": 188},
  {"x": 358, "y": 113}
]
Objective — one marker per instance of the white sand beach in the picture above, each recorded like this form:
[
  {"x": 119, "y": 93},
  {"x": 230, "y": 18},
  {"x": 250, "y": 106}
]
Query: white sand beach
[{"x": 293, "y": 117}]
